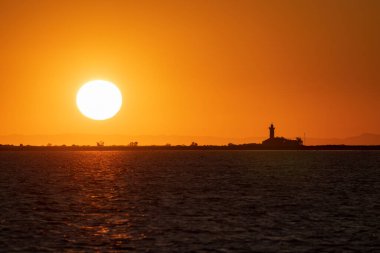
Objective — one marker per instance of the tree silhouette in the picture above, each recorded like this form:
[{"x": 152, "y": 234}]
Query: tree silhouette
[{"x": 194, "y": 144}]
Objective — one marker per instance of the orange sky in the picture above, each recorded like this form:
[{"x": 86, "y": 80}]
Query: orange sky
[{"x": 193, "y": 68}]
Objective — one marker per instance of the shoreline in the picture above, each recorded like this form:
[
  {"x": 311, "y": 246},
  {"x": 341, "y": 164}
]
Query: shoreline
[{"x": 180, "y": 147}]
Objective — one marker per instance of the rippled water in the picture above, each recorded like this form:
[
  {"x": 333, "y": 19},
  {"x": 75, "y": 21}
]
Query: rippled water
[{"x": 183, "y": 201}]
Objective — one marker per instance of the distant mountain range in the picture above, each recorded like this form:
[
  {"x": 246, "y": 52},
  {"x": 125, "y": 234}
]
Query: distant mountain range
[
  {"x": 91, "y": 139},
  {"x": 364, "y": 139}
]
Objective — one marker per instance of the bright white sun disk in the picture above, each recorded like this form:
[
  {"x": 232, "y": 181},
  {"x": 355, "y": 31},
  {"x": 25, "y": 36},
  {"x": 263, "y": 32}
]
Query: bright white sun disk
[{"x": 99, "y": 100}]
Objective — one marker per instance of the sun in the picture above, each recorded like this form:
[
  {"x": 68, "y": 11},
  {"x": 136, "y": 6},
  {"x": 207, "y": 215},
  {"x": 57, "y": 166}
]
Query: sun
[{"x": 99, "y": 100}]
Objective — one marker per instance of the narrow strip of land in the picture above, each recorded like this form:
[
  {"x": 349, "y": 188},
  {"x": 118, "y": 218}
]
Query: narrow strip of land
[{"x": 183, "y": 147}]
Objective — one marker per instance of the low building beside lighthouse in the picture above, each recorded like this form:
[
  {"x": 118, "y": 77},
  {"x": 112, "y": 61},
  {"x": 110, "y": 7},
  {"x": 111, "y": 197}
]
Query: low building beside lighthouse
[{"x": 280, "y": 141}]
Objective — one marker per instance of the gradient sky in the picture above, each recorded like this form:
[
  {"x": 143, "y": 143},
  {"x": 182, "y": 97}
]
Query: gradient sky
[{"x": 194, "y": 68}]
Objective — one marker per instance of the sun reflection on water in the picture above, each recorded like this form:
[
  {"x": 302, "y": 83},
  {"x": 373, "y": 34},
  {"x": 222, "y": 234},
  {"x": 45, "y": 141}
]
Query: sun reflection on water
[{"x": 103, "y": 199}]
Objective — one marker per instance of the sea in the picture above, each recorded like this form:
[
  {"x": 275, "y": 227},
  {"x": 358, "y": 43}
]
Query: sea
[{"x": 190, "y": 201}]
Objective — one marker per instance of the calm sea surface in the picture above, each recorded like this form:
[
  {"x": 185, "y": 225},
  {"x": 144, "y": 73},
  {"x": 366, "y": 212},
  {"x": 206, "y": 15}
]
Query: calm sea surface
[{"x": 190, "y": 201}]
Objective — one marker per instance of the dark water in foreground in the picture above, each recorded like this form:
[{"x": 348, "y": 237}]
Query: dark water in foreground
[{"x": 190, "y": 201}]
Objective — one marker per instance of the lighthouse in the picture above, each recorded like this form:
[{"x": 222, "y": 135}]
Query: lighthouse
[
  {"x": 271, "y": 131},
  {"x": 280, "y": 142}
]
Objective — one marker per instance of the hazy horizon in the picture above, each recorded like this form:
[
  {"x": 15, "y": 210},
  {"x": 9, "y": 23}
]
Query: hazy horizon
[{"x": 119, "y": 139}]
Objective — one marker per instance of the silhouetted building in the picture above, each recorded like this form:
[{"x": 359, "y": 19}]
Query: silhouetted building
[
  {"x": 271, "y": 131},
  {"x": 280, "y": 142}
]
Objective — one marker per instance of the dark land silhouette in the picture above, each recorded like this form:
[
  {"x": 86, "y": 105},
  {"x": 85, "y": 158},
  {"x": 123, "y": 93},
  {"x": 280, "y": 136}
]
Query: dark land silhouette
[
  {"x": 281, "y": 142},
  {"x": 272, "y": 143}
]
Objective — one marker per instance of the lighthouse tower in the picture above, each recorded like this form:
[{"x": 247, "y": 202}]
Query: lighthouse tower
[{"x": 271, "y": 131}]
